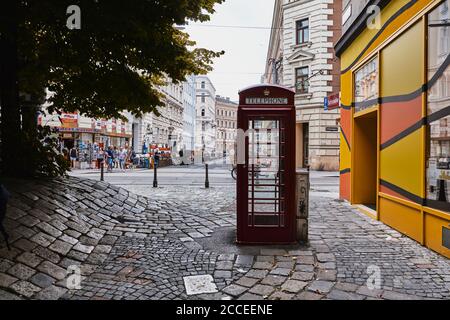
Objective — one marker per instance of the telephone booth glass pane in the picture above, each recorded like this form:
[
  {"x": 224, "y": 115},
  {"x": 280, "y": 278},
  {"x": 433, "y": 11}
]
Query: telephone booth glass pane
[{"x": 266, "y": 206}]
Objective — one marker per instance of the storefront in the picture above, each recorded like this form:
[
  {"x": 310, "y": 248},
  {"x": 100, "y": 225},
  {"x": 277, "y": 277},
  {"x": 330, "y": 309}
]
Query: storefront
[
  {"x": 395, "y": 118},
  {"x": 88, "y": 135}
]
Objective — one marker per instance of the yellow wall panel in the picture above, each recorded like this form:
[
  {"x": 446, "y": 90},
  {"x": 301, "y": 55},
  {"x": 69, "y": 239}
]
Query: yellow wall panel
[
  {"x": 405, "y": 219},
  {"x": 366, "y": 36},
  {"x": 433, "y": 233},
  {"x": 350, "y": 54},
  {"x": 345, "y": 158},
  {"x": 400, "y": 163},
  {"x": 402, "y": 64},
  {"x": 346, "y": 88}
]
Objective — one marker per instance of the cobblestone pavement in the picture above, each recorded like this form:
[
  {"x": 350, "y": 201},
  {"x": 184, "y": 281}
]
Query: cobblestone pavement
[{"x": 135, "y": 247}]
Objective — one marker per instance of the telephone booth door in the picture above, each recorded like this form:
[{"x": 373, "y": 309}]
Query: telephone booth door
[{"x": 266, "y": 172}]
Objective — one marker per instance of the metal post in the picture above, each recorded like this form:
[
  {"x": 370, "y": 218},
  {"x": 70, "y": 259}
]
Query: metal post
[
  {"x": 155, "y": 175},
  {"x": 206, "y": 178},
  {"x": 102, "y": 171}
]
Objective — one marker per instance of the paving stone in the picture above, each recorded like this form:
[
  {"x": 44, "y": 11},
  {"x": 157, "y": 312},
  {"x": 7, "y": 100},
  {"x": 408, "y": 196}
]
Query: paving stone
[
  {"x": 304, "y": 268},
  {"x": 7, "y": 296},
  {"x": 6, "y": 280},
  {"x": 24, "y": 244},
  {"x": 325, "y": 257},
  {"x": 364, "y": 290},
  {"x": 45, "y": 227},
  {"x": 21, "y": 271},
  {"x": 51, "y": 293},
  {"x": 224, "y": 265},
  {"x": 270, "y": 259},
  {"x": 308, "y": 260},
  {"x": 303, "y": 276},
  {"x": 42, "y": 280},
  {"x": 319, "y": 286},
  {"x": 258, "y": 274},
  {"x": 273, "y": 280},
  {"x": 234, "y": 290},
  {"x": 281, "y": 271},
  {"x": 278, "y": 295},
  {"x": 25, "y": 288},
  {"x": 68, "y": 239},
  {"x": 199, "y": 285},
  {"x": 52, "y": 270},
  {"x": 83, "y": 248},
  {"x": 250, "y": 297},
  {"x": 346, "y": 286},
  {"x": 285, "y": 264},
  {"x": 247, "y": 282},
  {"x": 262, "y": 265},
  {"x": 60, "y": 247},
  {"x": 29, "y": 259},
  {"x": 244, "y": 260},
  {"x": 43, "y": 239},
  {"x": 343, "y": 295},
  {"x": 391, "y": 295},
  {"x": 273, "y": 252},
  {"x": 293, "y": 286},
  {"x": 223, "y": 274},
  {"x": 262, "y": 290},
  {"x": 306, "y": 295},
  {"x": 329, "y": 275},
  {"x": 47, "y": 254}
]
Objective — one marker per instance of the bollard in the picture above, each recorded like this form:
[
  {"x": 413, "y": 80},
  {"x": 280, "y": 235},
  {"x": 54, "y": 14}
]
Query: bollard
[
  {"x": 155, "y": 175},
  {"x": 102, "y": 171},
  {"x": 206, "y": 178}
]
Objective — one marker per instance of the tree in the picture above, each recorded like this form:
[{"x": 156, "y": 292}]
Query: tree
[{"x": 113, "y": 63}]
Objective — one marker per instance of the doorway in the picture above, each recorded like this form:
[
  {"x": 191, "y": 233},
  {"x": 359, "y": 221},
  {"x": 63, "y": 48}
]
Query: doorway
[{"x": 365, "y": 160}]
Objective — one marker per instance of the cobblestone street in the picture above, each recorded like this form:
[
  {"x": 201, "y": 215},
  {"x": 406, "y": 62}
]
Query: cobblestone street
[{"x": 141, "y": 243}]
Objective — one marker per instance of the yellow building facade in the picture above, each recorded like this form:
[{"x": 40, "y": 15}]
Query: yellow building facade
[{"x": 395, "y": 117}]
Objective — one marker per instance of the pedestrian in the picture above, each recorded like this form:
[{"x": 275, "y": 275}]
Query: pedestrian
[
  {"x": 156, "y": 157},
  {"x": 116, "y": 157},
  {"x": 110, "y": 157},
  {"x": 73, "y": 157},
  {"x": 100, "y": 158},
  {"x": 133, "y": 159},
  {"x": 122, "y": 157}
]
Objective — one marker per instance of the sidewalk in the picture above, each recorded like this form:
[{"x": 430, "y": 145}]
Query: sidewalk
[{"x": 131, "y": 247}]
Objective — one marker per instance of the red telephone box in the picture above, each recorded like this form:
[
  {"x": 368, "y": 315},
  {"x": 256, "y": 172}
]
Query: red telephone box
[{"x": 266, "y": 165}]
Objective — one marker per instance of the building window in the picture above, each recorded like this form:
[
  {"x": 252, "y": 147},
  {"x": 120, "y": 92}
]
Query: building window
[
  {"x": 203, "y": 112},
  {"x": 301, "y": 80},
  {"x": 203, "y": 84},
  {"x": 302, "y": 28},
  {"x": 438, "y": 131},
  {"x": 203, "y": 98},
  {"x": 366, "y": 84}
]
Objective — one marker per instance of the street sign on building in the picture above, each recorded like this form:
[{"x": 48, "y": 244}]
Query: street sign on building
[{"x": 332, "y": 102}]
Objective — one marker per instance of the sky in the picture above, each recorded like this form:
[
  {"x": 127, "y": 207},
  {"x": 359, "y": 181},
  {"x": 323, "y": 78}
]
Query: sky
[{"x": 245, "y": 48}]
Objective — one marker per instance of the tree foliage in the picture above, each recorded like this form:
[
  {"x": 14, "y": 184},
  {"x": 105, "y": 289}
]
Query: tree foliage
[{"x": 114, "y": 62}]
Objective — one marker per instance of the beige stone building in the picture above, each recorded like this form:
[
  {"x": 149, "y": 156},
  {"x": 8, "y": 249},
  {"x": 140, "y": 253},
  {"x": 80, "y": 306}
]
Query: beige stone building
[
  {"x": 226, "y": 121},
  {"x": 301, "y": 57}
]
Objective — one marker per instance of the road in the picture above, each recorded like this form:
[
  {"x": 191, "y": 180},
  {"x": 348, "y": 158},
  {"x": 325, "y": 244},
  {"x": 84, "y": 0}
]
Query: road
[{"x": 322, "y": 183}]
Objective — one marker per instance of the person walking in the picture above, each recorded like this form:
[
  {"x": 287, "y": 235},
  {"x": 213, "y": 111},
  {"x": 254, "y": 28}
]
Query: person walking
[
  {"x": 110, "y": 157},
  {"x": 156, "y": 158},
  {"x": 100, "y": 158},
  {"x": 73, "y": 157},
  {"x": 122, "y": 157}
]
